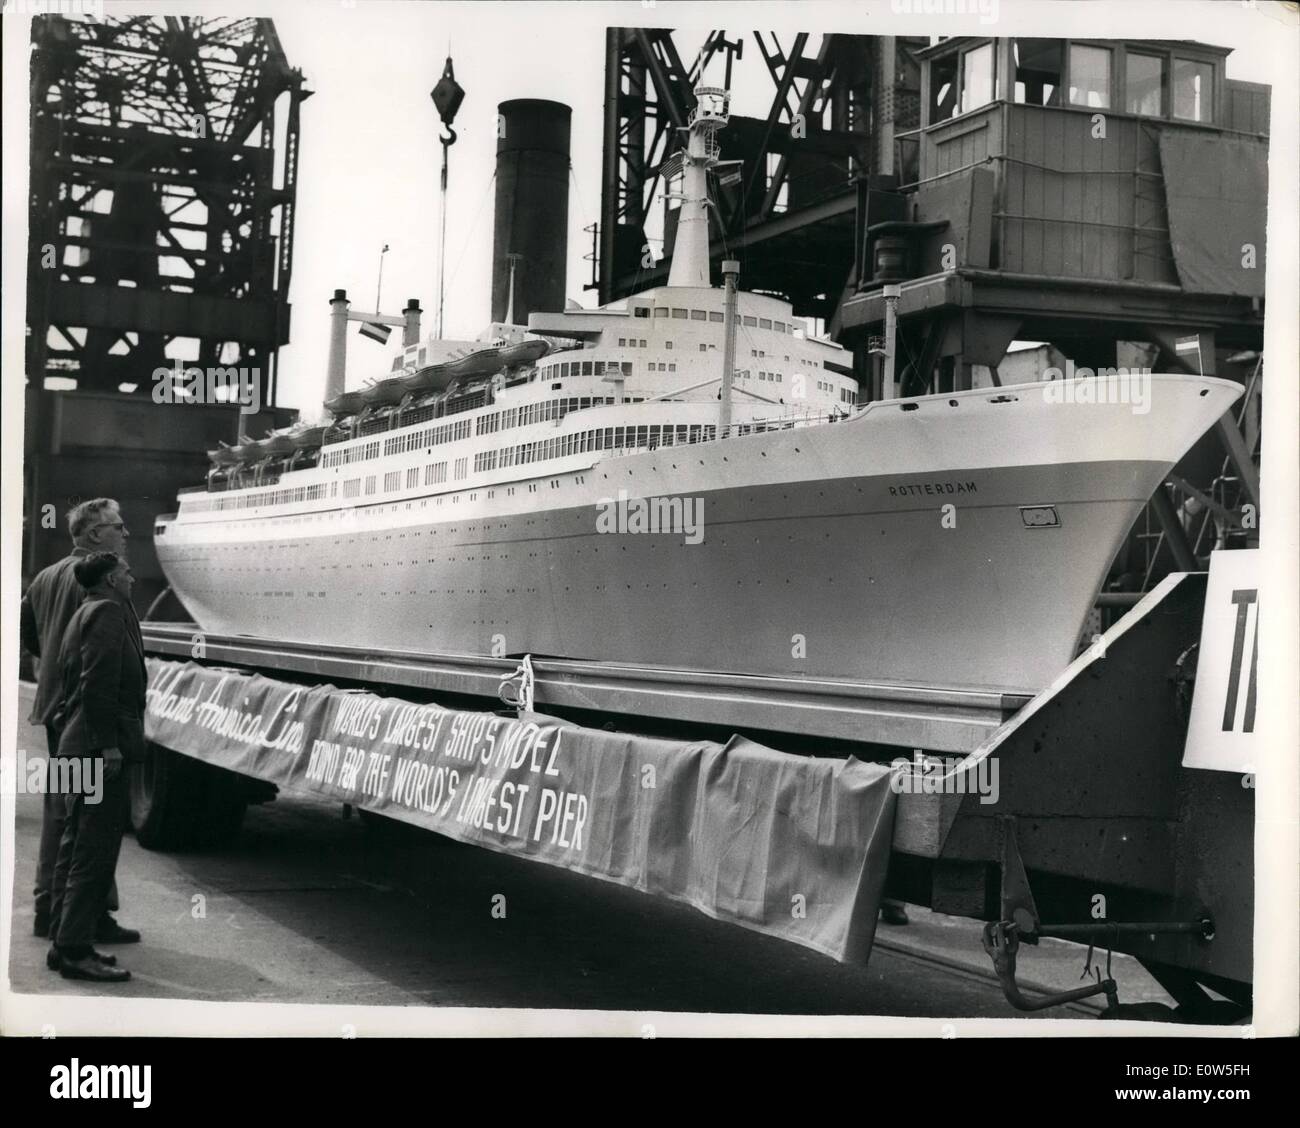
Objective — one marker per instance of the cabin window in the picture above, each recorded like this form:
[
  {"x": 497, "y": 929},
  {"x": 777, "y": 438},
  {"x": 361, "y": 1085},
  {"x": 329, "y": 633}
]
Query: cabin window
[
  {"x": 714, "y": 315},
  {"x": 1193, "y": 90},
  {"x": 1038, "y": 71},
  {"x": 751, "y": 321},
  {"x": 672, "y": 368},
  {"x": 586, "y": 368},
  {"x": 622, "y": 342},
  {"x": 422, "y": 355},
  {"x": 765, "y": 323},
  {"x": 462, "y": 467},
  {"x": 779, "y": 326},
  {"x": 412, "y": 477},
  {"x": 661, "y": 311},
  {"x": 977, "y": 77},
  {"x": 679, "y": 314},
  {"x": 943, "y": 88},
  {"x": 641, "y": 311},
  {"x": 1144, "y": 84},
  {"x": 699, "y": 315},
  {"x": 370, "y": 484},
  {"x": 643, "y": 342},
  {"x": 668, "y": 344},
  {"x": 1090, "y": 76}
]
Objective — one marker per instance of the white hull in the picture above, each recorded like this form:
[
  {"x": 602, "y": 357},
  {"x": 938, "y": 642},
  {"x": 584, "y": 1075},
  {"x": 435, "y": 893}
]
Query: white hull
[{"x": 826, "y": 550}]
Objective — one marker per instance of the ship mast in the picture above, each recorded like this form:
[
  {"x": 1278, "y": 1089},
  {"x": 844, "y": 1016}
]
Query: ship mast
[{"x": 690, "y": 265}]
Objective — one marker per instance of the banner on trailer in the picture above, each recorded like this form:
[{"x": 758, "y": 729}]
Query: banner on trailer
[{"x": 789, "y": 845}]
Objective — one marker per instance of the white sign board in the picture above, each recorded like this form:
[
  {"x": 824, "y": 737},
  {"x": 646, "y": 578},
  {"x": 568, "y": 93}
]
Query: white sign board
[{"x": 1221, "y": 730}]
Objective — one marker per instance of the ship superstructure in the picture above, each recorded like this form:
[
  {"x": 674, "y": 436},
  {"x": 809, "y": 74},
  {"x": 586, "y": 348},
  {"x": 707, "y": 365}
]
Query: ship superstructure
[{"x": 459, "y": 504}]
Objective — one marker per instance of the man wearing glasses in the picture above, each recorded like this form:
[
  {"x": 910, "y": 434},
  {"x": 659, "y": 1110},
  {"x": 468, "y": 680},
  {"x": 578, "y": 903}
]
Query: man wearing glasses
[{"x": 47, "y": 608}]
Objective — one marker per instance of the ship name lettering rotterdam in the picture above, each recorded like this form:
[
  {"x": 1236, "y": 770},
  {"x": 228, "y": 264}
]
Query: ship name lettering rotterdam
[{"x": 918, "y": 489}]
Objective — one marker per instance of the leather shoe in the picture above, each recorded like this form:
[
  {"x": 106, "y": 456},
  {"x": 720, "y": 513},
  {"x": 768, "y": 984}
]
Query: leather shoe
[
  {"x": 108, "y": 931},
  {"x": 41, "y": 926},
  {"x": 54, "y": 961},
  {"x": 91, "y": 969}
]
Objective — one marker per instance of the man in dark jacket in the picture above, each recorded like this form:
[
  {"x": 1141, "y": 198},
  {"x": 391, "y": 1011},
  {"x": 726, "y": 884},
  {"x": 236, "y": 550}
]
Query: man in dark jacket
[
  {"x": 104, "y": 682},
  {"x": 51, "y": 599}
]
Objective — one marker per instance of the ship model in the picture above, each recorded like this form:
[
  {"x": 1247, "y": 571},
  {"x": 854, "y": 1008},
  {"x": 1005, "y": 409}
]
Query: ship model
[{"x": 462, "y": 503}]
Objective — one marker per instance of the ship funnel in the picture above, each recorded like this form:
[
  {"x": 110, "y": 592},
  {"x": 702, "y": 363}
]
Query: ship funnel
[{"x": 532, "y": 208}]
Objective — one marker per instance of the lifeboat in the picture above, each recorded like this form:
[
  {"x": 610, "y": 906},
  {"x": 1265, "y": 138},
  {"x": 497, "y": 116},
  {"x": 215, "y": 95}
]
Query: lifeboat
[
  {"x": 433, "y": 378},
  {"x": 278, "y": 442},
  {"x": 224, "y": 455},
  {"x": 525, "y": 352},
  {"x": 251, "y": 451},
  {"x": 346, "y": 403},
  {"x": 481, "y": 363},
  {"x": 304, "y": 437},
  {"x": 386, "y": 393}
]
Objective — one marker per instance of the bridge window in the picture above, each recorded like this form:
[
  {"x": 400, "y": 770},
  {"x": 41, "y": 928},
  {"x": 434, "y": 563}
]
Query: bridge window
[
  {"x": 1144, "y": 84},
  {"x": 1193, "y": 89},
  {"x": 714, "y": 315},
  {"x": 699, "y": 315},
  {"x": 661, "y": 311},
  {"x": 1038, "y": 71},
  {"x": 641, "y": 311},
  {"x": 1090, "y": 76},
  {"x": 943, "y": 88},
  {"x": 977, "y": 77},
  {"x": 679, "y": 314}
]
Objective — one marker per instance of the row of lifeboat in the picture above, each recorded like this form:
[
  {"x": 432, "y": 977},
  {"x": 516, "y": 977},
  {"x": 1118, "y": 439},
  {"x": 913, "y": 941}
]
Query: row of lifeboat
[
  {"x": 433, "y": 379},
  {"x": 437, "y": 377}
]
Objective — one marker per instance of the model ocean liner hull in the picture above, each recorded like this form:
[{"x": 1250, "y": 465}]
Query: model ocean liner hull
[
  {"x": 825, "y": 550},
  {"x": 954, "y": 540}
]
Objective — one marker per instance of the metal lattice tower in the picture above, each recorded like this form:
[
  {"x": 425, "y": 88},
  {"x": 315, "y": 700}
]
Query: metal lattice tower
[{"x": 161, "y": 208}]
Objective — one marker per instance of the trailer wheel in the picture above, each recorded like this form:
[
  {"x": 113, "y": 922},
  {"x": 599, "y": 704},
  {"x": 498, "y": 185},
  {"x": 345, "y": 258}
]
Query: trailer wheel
[{"x": 180, "y": 803}]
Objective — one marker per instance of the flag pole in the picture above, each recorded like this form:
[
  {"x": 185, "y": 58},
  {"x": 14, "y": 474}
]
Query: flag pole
[{"x": 379, "y": 286}]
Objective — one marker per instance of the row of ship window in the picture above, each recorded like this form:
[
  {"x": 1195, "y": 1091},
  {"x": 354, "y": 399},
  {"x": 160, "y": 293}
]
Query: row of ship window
[
  {"x": 435, "y": 473},
  {"x": 679, "y": 314},
  {"x": 539, "y": 412}
]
